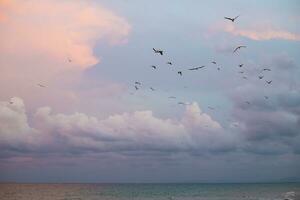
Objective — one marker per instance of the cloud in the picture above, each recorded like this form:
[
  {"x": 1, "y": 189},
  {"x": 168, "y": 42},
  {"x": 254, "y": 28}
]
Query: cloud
[
  {"x": 139, "y": 131},
  {"x": 57, "y": 30},
  {"x": 265, "y": 33}
]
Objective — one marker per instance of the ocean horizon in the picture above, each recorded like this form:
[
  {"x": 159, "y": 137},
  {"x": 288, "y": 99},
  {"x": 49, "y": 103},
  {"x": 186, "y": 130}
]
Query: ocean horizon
[{"x": 150, "y": 191}]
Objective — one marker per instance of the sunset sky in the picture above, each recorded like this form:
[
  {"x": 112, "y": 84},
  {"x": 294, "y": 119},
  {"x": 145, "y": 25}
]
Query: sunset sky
[{"x": 89, "y": 124}]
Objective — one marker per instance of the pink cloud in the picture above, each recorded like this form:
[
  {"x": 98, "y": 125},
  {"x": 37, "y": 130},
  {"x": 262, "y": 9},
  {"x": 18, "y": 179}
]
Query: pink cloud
[{"x": 266, "y": 33}]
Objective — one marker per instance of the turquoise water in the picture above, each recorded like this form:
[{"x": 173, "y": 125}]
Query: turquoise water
[{"x": 150, "y": 191}]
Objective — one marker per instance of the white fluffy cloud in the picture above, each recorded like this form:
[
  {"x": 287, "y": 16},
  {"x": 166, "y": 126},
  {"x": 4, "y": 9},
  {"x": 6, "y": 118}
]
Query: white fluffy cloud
[{"x": 136, "y": 131}]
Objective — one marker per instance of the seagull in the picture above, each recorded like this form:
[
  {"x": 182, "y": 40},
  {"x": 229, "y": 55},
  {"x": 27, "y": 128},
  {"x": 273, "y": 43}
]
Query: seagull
[
  {"x": 172, "y": 97},
  {"x": 241, "y": 65},
  {"x": 180, "y": 73},
  {"x": 266, "y": 69},
  {"x": 214, "y": 62},
  {"x": 169, "y": 63},
  {"x": 260, "y": 77},
  {"x": 136, "y": 88},
  {"x": 237, "y": 48},
  {"x": 269, "y": 82},
  {"x": 152, "y": 88},
  {"x": 241, "y": 72},
  {"x": 137, "y": 83},
  {"x": 196, "y": 68},
  {"x": 158, "y": 51},
  {"x": 231, "y": 19},
  {"x": 40, "y": 85},
  {"x": 153, "y": 66}
]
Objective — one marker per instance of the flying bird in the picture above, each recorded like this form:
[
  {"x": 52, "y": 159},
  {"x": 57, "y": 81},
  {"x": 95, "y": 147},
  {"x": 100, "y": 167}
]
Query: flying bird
[
  {"x": 196, "y": 68},
  {"x": 266, "y": 69},
  {"x": 11, "y": 102},
  {"x": 269, "y": 82},
  {"x": 244, "y": 77},
  {"x": 218, "y": 68},
  {"x": 180, "y": 73},
  {"x": 169, "y": 63},
  {"x": 260, "y": 77},
  {"x": 153, "y": 66},
  {"x": 248, "y": 102},
  {"x": 152, "y": 88},
  {"x": 40, "y": 85},
  {"x": 69, "y": 60},
  {"x": 136, "y": 88},
  {"x": 241, "y": 72},
  {"x": 214, "y": 62},
  {"x": 241, "y": 65},
  {"x": 161, "y": 52},
  {"x": 231, "y": 19},
  {"x": 211, "y": 108},
  {"x": 137, "y": 83},
  {"x": 239, "y": 47},
  {"x": 266, "y": 97}
]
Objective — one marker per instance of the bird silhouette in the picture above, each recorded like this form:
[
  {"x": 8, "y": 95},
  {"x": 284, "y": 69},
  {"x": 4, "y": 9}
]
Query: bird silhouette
[
  {"x": 269, "y": 82},
  {"x": 180, "y": 73},
  {"x": 196, "y": 68},
  {"x": 212, "y": 108},
  {"x": 231, "y": 19},
  {"x": 219, "y": 68},
  {"x": 136, "y": 87},
  {"x": 169, "y": 63},
  {"x": 152, "y": 88},
  {"x": 214, "y": 62},
  {"x": 244, "y": 77},
  {"x": 265, "y": 69},
  {"x": 161, "y": 52},
  {"x": 241, "y": 65},
  {"x": 266, "y": 97},
  {"x": 260, "y": 77},
  {"x": 241, "y": 72},
  {"x": 69, "y": 60},
  {"x": 239, "y": 47},
  {"x": 248, "y": 102},
  {"x": 137, "y": 83},
  {"x": 153, "y": 66}
]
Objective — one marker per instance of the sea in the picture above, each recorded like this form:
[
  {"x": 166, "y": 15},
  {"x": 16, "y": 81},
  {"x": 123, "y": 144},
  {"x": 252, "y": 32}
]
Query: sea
[{"x": 190, "y": 191}]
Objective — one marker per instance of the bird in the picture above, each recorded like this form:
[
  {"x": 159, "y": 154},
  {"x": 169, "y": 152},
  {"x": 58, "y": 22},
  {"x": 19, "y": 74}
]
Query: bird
[
  {"x": 214, "y": 62},
  {"x": 231, "y": 19},
  {"x": 152, "y": 88},
  {"x": 248, "y": 102},
  {"x": 212, "y": 108},
  {"x": 153, "y": 66},
  {"x": 161, "y": 52},
  {"x": 260, "y": 77},
  {"x": 11, "y": 102},
  {"x": 266, "y": 97},
  {"x": 196, "y": 68},
  {"x": 136, "y": 88},
  {"x": 69, "y": 60},
  {"x": 218, "y": 68},
  {"x": 137, "y": 83},
  {"x": 241, "y": 72},
  {"x": 238, "y": 47},
  {"x": 181, "y": 103},
  {"x": 244, "y": 77},
  {"x": 169, "y": 63},
  {"x": 266, "y": 69},
  {"x": 241, "y": 65},
  {"x": 40, "y": 85},
  {"x": 269, "y": 82},
  {"x": 172, "y": 97},
  {"x": 180, "y": 73}
]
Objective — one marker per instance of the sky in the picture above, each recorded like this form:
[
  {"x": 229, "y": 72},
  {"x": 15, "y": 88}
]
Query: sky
[{"x": 69, "y": 110}]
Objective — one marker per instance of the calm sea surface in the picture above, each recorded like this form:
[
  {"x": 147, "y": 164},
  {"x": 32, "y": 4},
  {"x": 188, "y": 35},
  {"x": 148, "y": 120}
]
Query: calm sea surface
[{"x": 150, "y": 191}]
